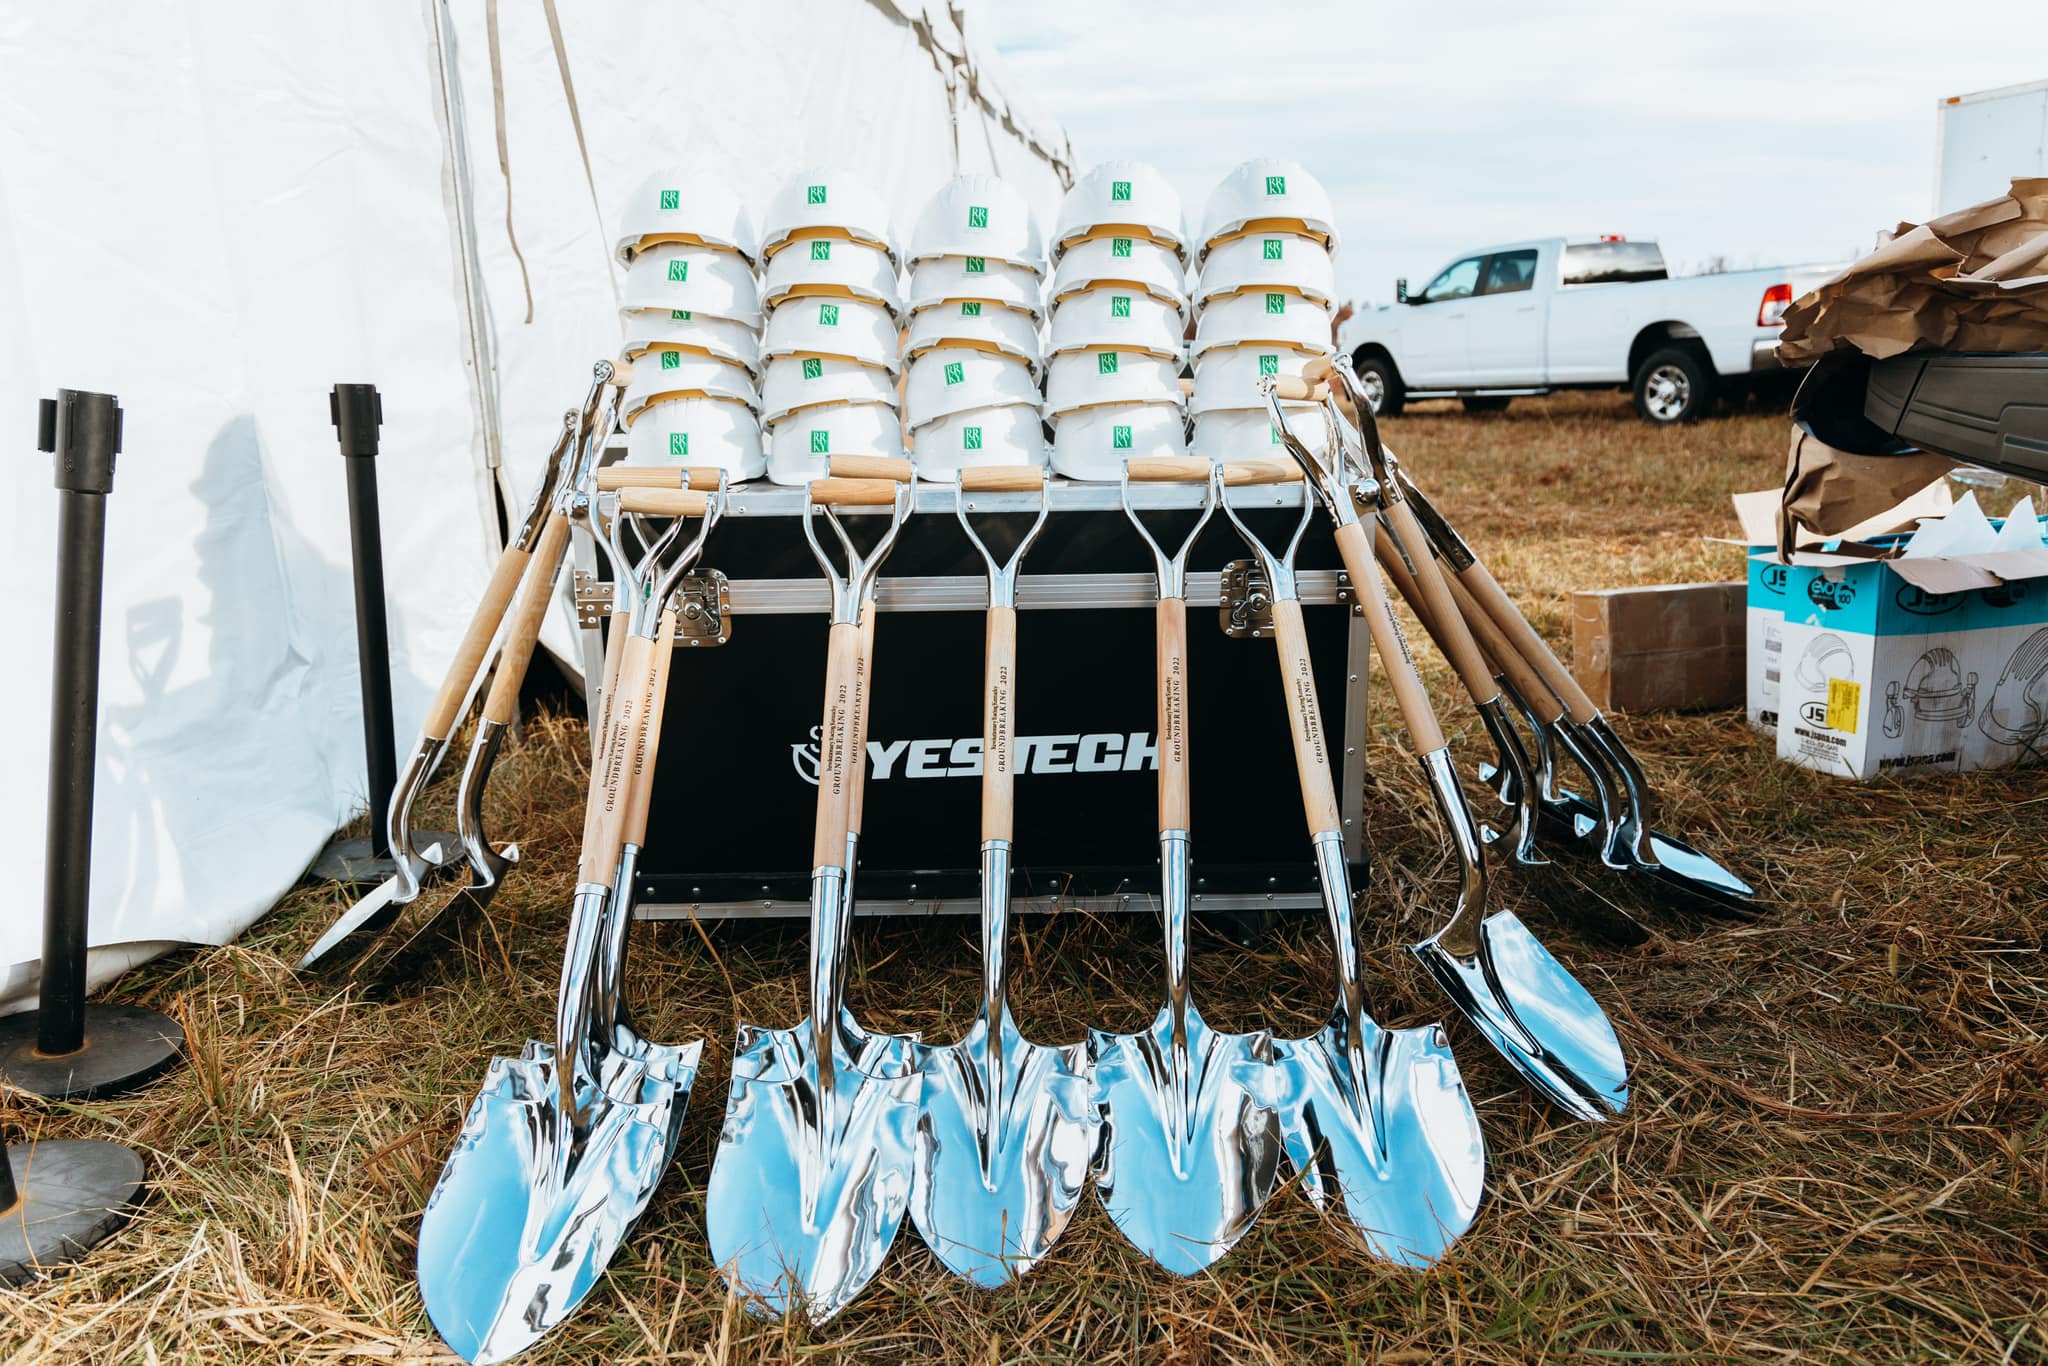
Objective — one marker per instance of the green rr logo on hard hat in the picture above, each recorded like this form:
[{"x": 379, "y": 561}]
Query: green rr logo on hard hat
[
  {"x": 813, "y": 367},
  {"x": 955, "y": 372},
  {"x": 1105, "y": 362},
  {"x": 1276, "y": 184},
  {"x": 1119, "y": 246},
  {"x": 678, "y": 272},
  {"x": 1272, "y": 248},
  {"x": 814, "y": 194},
  {"x": 971, "y": 309},
  {"x": 828, "y": 315},
  {"x": 1276, "y": 303},
  {"x": 821, "y": 249},
  {"x": 977, "y": 216},
  {"x": 1119, "y": 191},
  {"x": 1119, "y": 305},
  {"x": 671, "y": 199},
  {"x": 977, "y": 265},
  {"x": 821, "y": 442},
  {"x": 678, "y": 443},
  {"x": 1120, "y": 438},
  {"x": 971, "y": 438},
  {"x": 679, "y": 315},
  {"x": 1269, "y": 363},
  {"x": 671, "y": 360}
]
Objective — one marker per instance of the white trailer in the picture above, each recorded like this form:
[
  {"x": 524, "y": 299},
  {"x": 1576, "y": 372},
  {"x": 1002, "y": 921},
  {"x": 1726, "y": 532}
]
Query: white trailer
[{"x": 1982, "y": 141}]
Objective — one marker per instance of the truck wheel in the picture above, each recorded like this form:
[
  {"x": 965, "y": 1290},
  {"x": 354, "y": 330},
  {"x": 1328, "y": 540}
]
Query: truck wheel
[
  {"x": 1673, "y": 385},
  {"x": 1485, "y": 403},
  {"x": 1382, "y": 384}
]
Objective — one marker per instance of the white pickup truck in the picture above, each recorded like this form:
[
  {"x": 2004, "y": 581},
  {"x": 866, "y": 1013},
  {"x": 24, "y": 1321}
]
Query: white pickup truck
[{"x": 1533, "y": 317}]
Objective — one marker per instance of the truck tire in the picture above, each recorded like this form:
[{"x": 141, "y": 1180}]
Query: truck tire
[
  {"x": 1675, "y": 384},
  {"x": 1486, "y": 403},
  {"x": 1376, "y": 373}
]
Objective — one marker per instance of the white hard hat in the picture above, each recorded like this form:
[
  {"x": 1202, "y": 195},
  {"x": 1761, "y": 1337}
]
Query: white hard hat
[
  {"x": 801, "y": 445},
  {"x": 1123, "y": 194},
  {"x": 1249, "y": 433},
  {"x": 695, "y": 280},
  {"x": 978, "y": 215},
  {"x": 973, "y": 323},
  {"x": 1010, "y": 434},
  {"x": 1263, "y": 260},
  {"x": 1121, "y": 317},
  {"x": 1264, "y": 315},
  {"x": 797, "y": 382},
  {"x": 949, "y": 279},
  {"x": 827, "y": 203},
  {"x": 1228, "y": 376},
  {"x": 953, "y": 379},
  {"x": 1121, "y": 260},
  {"x": 1084, "y": 379},
  {"x": 677, "y": 207},
  {"x": 1093, "y": 443},
  {"x": 678, "y": 374},
  {"x": 698, "y": 431},
  {"x": 826, "y": 265},
  {"x": 650, "y": 328},
  {"x": 849, "y": 329},
  {"x": 1267, "y": 192}
]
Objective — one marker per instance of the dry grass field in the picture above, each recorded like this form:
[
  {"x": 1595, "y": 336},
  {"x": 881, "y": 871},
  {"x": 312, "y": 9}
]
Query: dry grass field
[{"x": 1837, "y": 1148}]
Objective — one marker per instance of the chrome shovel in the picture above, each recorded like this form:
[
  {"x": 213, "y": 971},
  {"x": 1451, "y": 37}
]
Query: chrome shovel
[
  {"x": 1377, "y": 1117},
  {"x": 1190, "y": 1142},
  {"x": 458, "y": 688},
  {"x": 1534, "y": 1013},
  {"x": 566, "y": 1143},
  {"x": 1006, "y": 1134},
  {"x": 812, "y": 1174}
]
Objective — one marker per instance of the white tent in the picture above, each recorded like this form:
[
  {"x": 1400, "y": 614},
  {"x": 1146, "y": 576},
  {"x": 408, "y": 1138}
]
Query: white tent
[{"x": 218, "y": 210}]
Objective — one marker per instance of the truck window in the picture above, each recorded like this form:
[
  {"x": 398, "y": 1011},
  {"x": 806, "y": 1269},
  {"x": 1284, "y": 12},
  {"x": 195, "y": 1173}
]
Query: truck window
[
  {"x": 1606, "y": 263},
  {"x": 1456, "y": 281},
  {"x": 1509, "y": 272}
]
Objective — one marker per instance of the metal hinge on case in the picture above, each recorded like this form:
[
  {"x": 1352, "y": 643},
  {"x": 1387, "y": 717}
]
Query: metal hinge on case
[
  {"x": 703, "y": 612},
  {"x": 1346, "y": 596},
  {"x": 593, "y": 600},
  {"x": 1246, "y": 606}
]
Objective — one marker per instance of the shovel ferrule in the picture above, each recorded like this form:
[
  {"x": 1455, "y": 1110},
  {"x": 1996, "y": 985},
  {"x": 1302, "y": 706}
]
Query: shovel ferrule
[
  {"x": 1461, "y": 935},
  {"x": 828, "y": 965},
  {"x": 1570, "y": 738},
  {"x": 486, "y": 864},
  {"x": 1175, "y": 905},
  {"x": 995, "y": 970},
  {"x": 1334, "y": 877},
  {"x": 607, "y": 996},
  {"x": 1635, "y": 789},
  {"x": 412, "y": 780},
  {"x": 1516, "y": 788},
  {"x": 574, "y": 1053},
  {"x": 547, "y": 488}
]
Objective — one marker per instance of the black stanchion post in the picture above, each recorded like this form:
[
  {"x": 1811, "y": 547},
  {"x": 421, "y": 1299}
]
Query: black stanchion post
[
  {"x": 357, "y": 411},
  {"x": 67, "y": 1048}
]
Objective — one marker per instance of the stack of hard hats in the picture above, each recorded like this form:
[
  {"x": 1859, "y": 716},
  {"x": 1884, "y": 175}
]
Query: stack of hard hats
[
  {"x": 1263, "y": 303},
  {"x": 691, "y": 309},
  {"x": 1119, "y": 317},
  {"x": 976, "y": 276},
  {"x": 832, "y": 342}
]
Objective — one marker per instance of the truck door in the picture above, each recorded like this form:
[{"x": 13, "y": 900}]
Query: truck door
[
  {"x": 1432, "y": 348},
  {"x": 1504, "y": 321}
]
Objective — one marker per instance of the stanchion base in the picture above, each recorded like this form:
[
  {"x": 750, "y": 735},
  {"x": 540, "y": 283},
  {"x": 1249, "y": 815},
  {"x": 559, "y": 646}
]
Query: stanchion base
[
  {"x": 125, "y": 1047},
  {"x": 74, "y": 1194},
  {"x": 349, "y": 861}
]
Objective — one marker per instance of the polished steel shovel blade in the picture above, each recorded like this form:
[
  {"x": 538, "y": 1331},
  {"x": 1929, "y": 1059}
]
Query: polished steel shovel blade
[
  {"x": 525, "y": 1218},
  {"x": 376, "y": 909},
  {"x": 1190, "y": 1142},
  {"x": 1388, "y": 1131},
  {"x": 1000, "y": 1168},
  {"x": 812, "y": 1176}
]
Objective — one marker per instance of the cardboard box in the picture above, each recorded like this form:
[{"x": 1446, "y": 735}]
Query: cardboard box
[
  {"x": 1671, "y": 647},
  {"x": 1884, "y": 674}
]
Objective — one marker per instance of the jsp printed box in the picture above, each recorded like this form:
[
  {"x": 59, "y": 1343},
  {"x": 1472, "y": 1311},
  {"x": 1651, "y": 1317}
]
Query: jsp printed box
[{"x": 1764, "y": 629}]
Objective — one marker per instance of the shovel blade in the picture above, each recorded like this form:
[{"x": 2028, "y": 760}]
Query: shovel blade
[
  {"x": 1190, "y": 1144},
  {"x": 1536, "y": 1015},
  {"x": 1695, "y": 881},
  {"x": 1399, "y": 1147},
  {"x": 998, "y": 1177},
  {"x": 810, "y": 1182},
  {"x": 519, "y": 1227},
  {"x": 375, "y": 910}
]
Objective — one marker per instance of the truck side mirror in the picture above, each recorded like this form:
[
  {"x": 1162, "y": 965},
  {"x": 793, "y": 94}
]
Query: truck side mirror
[{"x": 1401, "y": 290}]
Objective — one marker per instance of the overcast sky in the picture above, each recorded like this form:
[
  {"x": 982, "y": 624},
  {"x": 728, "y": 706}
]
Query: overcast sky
[{"x": 1763, "y": 131}]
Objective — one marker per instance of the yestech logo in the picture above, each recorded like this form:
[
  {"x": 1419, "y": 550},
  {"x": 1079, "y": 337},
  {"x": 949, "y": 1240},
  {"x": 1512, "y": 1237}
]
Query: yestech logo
[{"x": 1107, "y": 752}]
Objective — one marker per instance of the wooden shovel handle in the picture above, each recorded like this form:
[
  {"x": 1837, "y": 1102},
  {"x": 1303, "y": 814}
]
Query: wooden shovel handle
[
  {"x": 1305, "y": 719},
  {"x": 1172, "y": 619},
  {"x": 1168, "y": 469},
  {"x": 857, "y": 750},
  {"x": 476, "y": 641},
  {"x": 835, "y": 735},
  {"x": 853, "y": 492},
  {"x": 999, "y": 726},
  {"x": 648, "y": 748},
  {"x": 1003, "y": 479},
  {"x": 870, "y": 467},
  {"x": 604, "y": 821},
  {"x": 1300, "y": 390},
  {"x": 1447, "y": 624},
  {"x": 1542, "y": 701},
  {"x": 614, "y": 477},
  {"x": 535, "y": 597},
  {"x": 1495, "y": 603},
  {"x": 1387, "y": 638},
  {"x": 663, "y": 502},
  {"x": 1271, "y": 470}
]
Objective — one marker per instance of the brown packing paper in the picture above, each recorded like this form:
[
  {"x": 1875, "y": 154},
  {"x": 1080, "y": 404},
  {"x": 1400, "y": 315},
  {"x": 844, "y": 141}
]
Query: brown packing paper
[
  {"x": 1972, "y": 280},
  {"x": 1757, "y": 514},
  {"x": 1830, "y": 493}
]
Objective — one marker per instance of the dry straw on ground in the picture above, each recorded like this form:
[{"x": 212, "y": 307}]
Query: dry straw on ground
[{"x": 1837, "y": 1150}]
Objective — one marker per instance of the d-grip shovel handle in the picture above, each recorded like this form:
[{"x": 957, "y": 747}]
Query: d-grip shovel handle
[
  {"x": 476, "y": 642},
  {"x": 890, "y": 467},
  {"x": 536, "y": 595},
  {"x": 998, "y": 726},
  {"x": 1298, "y": 390},
  {"x": 1450, "y": 631},
  {"x": 835, "y": 739},
  {"x": 1171, "y": 617},
  {"x": 1488, "y": 637},
  {"x": 612, "y": 478},
  {"x": 857, "y": 745},
  {"x": 647, "y": 746},
  {"x": 1388, "y": 639},
  {"x": 605, "y": 818},
  {"x": 1493, "y": 600},
  {"x": 670, "y": 502},
  {"x": 1305, "y": 719}
]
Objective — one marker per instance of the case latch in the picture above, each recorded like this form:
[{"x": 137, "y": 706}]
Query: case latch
[
  {"x": 1246, "y": 610},
  {"x": 703, "y": 612}
]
